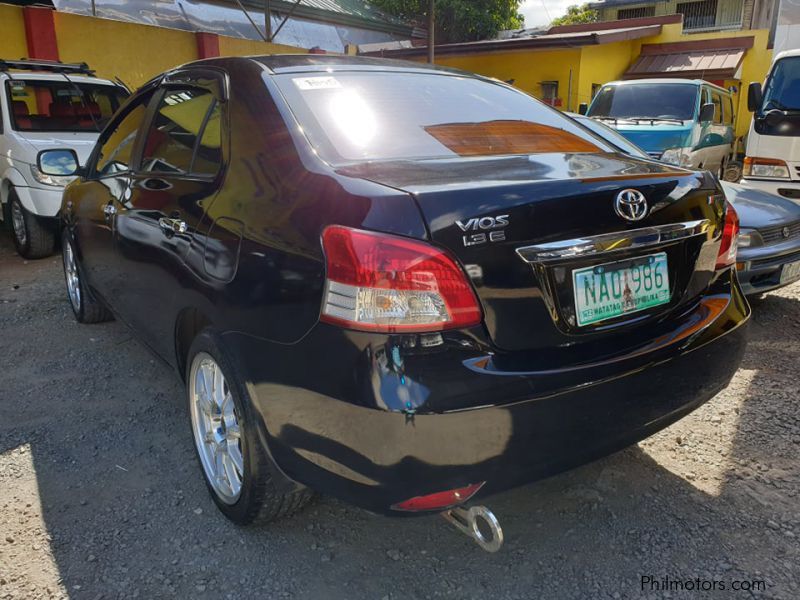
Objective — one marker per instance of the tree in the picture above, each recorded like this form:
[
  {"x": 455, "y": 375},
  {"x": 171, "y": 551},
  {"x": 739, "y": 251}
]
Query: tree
[
  {"x": 459, "y": 20},
  {"x": 577, "y": 14}
]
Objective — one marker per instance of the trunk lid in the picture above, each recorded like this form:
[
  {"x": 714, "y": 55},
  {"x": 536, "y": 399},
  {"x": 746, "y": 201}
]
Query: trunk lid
[{"x": 486, "y": 210}]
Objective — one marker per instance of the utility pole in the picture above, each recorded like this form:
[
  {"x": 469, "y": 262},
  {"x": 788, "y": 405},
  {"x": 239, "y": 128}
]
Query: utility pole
[{"x": 431, "y": 23}]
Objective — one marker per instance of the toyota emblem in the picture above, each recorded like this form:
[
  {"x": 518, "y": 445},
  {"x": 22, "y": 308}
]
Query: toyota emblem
[
  {"x": 631, "y": 205},
  {"x": 786, "y": 232}
]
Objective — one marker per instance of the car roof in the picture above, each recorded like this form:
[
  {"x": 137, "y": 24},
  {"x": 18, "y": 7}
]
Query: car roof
[
  {"x": 295, "y": 63},
  {"x": 666, "y": 80},
  {"x": 46, "y": 76},
  {"x": 788, "y": 53}
]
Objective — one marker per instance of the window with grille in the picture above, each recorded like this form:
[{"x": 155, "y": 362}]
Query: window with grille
[
  {"x": 698, "y": 15},
  {"x": 636, "y": 13}
]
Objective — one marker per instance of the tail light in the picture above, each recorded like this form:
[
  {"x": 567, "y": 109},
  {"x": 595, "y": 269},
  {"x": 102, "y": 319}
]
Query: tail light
[
  {"x": 385, "y": 283},
  {"x": 439, "y": 500},
  {"x": 727, "y": 246}
]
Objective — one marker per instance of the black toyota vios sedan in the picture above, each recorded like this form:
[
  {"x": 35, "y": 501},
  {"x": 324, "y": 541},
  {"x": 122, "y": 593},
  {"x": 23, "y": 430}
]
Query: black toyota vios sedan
[{"x": 399, "y": 285}]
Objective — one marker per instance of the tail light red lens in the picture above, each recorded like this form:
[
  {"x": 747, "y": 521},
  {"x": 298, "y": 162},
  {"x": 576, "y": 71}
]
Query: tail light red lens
[
  {"x": 439, "y": 500},
  {"x": 385, "y": 283},
  {"x": 730, "y": 232}
]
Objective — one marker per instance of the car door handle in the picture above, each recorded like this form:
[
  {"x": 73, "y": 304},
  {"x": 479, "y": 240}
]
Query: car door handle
[
  {"x": 109, "y": 210},
  {"x": 172, "y": 226}
]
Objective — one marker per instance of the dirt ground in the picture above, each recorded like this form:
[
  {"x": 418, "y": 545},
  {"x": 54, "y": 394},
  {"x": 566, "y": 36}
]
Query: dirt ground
[{"x": 101, "y": 496}]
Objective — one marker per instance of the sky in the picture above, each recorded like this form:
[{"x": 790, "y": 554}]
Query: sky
[{"x": 535, "y": 13}]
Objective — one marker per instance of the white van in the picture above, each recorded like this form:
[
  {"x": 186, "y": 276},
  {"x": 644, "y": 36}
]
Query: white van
[
  {"x": 772, "y": 160},
  {"x": 45, "y": 105}
]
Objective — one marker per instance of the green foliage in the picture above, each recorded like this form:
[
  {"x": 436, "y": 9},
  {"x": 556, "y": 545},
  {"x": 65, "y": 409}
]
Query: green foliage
[
  {"x": 577, "y": 14},
  {"x": 459, "y": 20}
]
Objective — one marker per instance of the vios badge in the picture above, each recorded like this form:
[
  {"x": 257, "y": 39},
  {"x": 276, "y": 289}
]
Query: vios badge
[
  {"x": 486, "y": 229},
  {"x": 631, "y": 205}
]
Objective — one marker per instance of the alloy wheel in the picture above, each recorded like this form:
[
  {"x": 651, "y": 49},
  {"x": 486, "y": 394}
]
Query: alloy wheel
[
  {"x": 215, "y": 424},
  {"x": 18, "y": 222},
  {"x": 71, "y": 274}
]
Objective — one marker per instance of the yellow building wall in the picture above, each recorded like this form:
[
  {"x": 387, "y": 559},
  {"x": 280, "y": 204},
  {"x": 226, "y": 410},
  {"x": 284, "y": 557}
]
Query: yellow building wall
[
  {"x": 229, "y": 46},
  {"x": 601, "y": 64},
  {"x": 528, "y": 68},
  {"x": 12, "y": 32},
  {"x": 134, "y": 53}
]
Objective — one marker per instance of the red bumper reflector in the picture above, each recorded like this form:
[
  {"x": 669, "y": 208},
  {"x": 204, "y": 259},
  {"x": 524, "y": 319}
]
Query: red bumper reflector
[{"x": 439, "y": 500}]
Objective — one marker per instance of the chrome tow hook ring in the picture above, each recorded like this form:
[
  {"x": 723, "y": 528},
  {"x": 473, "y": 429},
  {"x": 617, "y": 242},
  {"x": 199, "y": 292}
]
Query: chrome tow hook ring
[{"x": 467, "y": 520}]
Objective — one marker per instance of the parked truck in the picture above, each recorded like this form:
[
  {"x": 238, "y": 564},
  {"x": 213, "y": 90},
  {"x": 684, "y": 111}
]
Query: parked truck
[{"x": 772, "y": 160}]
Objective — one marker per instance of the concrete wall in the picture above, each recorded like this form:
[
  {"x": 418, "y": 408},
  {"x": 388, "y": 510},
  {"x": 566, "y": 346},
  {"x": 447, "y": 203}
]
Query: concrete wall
[{"x": 133, "y": 52}]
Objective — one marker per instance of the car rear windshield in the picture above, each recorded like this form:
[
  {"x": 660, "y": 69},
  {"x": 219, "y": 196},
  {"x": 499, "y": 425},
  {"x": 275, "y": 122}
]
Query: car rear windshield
[
  {"x": 38, "y": 105},
  {"x": 356, "y": 116},
  {"x": 783, "y": 86},
  {"x": 646, "y": 101}
]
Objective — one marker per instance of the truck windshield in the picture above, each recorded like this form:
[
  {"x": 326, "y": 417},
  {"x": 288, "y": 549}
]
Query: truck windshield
[
  {"x": 351, "y": 116},
  {"x": 782, "y": 91},
  {"x": 676, "y": 101},
  {"x": 43, "y": 105}
]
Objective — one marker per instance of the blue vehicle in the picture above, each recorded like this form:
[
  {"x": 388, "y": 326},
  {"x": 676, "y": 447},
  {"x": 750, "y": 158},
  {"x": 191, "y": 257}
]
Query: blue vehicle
[{"x": 685, "y": 122}]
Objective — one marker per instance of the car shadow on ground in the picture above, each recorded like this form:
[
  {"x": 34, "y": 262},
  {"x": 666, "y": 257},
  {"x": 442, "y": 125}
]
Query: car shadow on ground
[{"x": 98, "y": 443}]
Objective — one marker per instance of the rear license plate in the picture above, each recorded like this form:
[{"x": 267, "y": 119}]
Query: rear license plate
[
  {"x": 622, "y": 287},
  {"x": 790, "y": 272}
]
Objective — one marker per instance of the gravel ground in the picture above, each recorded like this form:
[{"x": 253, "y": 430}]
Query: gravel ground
[{"x": 101, "y": 496}]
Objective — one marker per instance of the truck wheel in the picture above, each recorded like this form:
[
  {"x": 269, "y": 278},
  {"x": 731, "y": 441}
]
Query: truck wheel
[
  {"x": 86, "y": 307},
  {"x": 234, "y": 463},
  {"x": 31, "y": 238},
  {"x": 733, "y": 171}
]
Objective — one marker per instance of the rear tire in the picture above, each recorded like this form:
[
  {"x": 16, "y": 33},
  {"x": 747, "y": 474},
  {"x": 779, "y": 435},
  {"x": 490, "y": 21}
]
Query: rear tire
[
  {"x": 234, "y": 464},
  {"x": 32, "y": 238},
  {"x": 85, "y": 307}
]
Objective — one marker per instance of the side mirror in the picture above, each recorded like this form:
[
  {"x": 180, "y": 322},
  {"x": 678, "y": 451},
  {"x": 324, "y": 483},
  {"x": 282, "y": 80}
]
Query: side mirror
[
  {"x": 706, "y": 112},
  {"x": 583, "y": 108},
  {"x": 754, "y": 96},
  {"x": 59, "y": 163}
]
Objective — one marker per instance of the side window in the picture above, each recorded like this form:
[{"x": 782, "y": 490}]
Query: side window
[
  {"x": 184, "y": 137},
  {"x": 716, "y": 98},
  {"x": 116, "y": 150},
  {"x": 729, "y": 110}
]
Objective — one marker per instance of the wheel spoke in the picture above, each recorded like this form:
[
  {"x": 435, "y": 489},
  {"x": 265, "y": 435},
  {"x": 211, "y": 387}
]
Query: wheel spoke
[
  {"x": 219, "y": 384},
  {"x": 233, "y": 432},
  {"x": 205, "y": 404},
  {"x": 231, "y": 475},
  {"x": 235, "y": 455}
]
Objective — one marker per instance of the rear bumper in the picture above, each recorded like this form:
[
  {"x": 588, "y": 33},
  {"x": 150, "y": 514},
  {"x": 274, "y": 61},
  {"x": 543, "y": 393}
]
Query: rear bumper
[{"x": 350, "y": 414}]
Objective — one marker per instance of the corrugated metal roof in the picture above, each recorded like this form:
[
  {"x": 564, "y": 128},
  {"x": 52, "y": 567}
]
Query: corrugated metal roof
[
  {"x": 706, "y": 64},
  {"x": 353, "y": 8}
]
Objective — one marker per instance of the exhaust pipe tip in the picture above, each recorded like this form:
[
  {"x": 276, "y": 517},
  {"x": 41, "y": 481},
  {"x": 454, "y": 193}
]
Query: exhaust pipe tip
[{"x": 479, "y": 523}]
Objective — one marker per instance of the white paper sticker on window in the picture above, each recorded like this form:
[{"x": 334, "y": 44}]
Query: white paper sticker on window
[{"x": 317, "y": 83}]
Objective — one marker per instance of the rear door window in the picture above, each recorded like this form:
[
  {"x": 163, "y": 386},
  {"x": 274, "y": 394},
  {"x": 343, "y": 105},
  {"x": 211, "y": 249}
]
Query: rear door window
[{"x": 184, "y": 137}]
